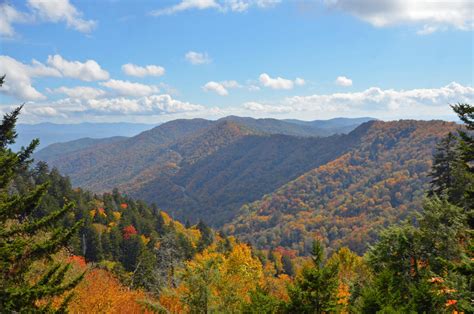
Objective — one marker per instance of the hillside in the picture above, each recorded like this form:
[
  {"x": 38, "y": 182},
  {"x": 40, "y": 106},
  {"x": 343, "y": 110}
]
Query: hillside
[
  {"x": 155, "y": 153},
  {"x": 215, "y": 187},
  {"x": 56, "y": 150},
  {"x": 346, "y": 201}
]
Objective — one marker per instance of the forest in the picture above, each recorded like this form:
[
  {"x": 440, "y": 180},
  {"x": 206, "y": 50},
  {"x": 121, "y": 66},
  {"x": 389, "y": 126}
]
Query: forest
[{"x": 308, "y": 247}]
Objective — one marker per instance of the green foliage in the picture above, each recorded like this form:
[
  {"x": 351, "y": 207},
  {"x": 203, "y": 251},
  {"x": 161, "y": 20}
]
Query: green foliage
[
  {"x": 427, "y": 267},
  {"x": 25, "y": 238},
  {"x": 316, "y": 290},
  {"x": 261, "y": 302}
]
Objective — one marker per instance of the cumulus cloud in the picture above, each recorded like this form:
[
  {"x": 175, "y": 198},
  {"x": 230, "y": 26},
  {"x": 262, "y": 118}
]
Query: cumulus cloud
[
  {"x": 197, "y": 58},
  {"x": 19, "y": 78},
  {"x": 279, "y": 82},
  {"x": 84, "y": 92},
  {"x": 221, "y": 88},
  {"x": 220, "y": 5},
  {"x": 141, "y": 71},
  {"x": 154, "y": 104},
  {"x": 61, "y": 11},
  {"x": 343, "y": 81},
  {"x": 376, "y": 101},
  {"x": 216, "y": 87},
  {"x": 85, "y": 71},
  {"x": 127, "y": 88},
  {"x": 431, "y": 15}
]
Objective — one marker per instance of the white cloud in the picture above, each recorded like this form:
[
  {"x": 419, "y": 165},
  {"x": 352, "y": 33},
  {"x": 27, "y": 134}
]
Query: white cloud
[
  {"x": 197, "y": 58},
  {"x": 154, "y": 104},
  {"x": 375, "y": 101},
  {"x": 432, "y": 15},
  {"x": 215, "y": 87},
  {"x": 19, "y": 78},
  {"x": 148, "y": 70},
  {"x": 45, "y": 111},
  {"x": 220, "y": 5},
  {"x": 87, "y": 71},
  {"x": 127, "y": 88},
  {"x": 343, "y": 81},
  {"x": 187, "y": 5},
  {"x": 221, "y": 88},
  {"x": 230, "y": 84},
  {"x": 263, "y": 108},
  {"x": 61, "y": 11},
  {"x": 279, "y": 82},
  {"x": 9, "y": 16},
  {"x": 84, "y": 92}
]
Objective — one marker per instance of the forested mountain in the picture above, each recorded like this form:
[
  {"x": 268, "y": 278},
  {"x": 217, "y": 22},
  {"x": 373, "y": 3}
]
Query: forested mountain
[
  {"x": 200, "y": 169},
  {"x": 56, "y": 150},
  {"x": 299, "y": 127},
  {"x": 143, "y": 163},
  {"x": 51, "y": 133},
  {"x": 348, "y": 200},
  {"x": 214, "y": 187}
]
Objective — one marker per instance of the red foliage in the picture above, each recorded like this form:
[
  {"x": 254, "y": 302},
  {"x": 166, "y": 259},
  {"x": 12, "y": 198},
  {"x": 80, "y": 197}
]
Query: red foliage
[
  {"x": 286, "y": 252},
  {"x": 128, "y": 231},
  {"x": 123, "y": 206},
  {"x": 77, "y": 260}
]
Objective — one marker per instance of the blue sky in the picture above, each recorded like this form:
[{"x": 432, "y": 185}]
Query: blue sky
[{"x": 152, "y": 61}]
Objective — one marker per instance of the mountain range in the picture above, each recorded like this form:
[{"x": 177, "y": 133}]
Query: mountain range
[{"x": 270, "y": 182}]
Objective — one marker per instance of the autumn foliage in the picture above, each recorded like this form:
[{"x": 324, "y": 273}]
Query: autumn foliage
[{"x": 101, "y": 292}]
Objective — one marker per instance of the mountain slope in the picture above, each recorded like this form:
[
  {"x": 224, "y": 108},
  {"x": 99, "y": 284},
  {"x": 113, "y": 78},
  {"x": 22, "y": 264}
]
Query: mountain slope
[
  {"x": 345, "y": 201},
  {"x": 158, "y": 152},
  {"x": 102, "y": 168},
  {"x": 214, "y": 187},
  {"x": 56, "y": 150}
]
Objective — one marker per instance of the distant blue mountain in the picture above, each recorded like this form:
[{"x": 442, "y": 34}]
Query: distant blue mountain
[{"x": 50, "y": 133}]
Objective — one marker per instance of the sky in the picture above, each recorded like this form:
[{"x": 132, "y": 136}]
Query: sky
[{"x": 150, "y": 61}]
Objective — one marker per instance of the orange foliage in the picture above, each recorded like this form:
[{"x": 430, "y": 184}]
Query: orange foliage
[
  {"x": 124, "y": 206},
  {"x": 100, "y": 292},
  {"x": 78, "y": 261}
]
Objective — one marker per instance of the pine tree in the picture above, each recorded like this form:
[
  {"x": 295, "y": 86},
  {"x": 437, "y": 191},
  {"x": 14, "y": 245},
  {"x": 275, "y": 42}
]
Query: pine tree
[
  {"x": 465, "y": 113},
  {"x": 447, "y": 172},
  {"x": 316, "y": 290},
  {"x": 24, "y": 238}
]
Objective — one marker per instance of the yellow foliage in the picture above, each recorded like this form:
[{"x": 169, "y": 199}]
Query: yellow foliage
[
  {"x": 223, "y": 280},
  {"x": 145, "y": 239},
  {"x": 117, "y": 215}
]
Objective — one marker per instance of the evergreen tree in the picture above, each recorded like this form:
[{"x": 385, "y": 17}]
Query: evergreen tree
[
  {"x": 316, "y": 290},
  {"x": 206, "y": 236},
  {"x": 288, "y": 266},
  {"x": 465, "y": 112},
  {"x": 447, "y": 172},
  {"x": 24, "y": 238}
]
